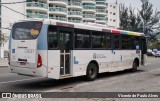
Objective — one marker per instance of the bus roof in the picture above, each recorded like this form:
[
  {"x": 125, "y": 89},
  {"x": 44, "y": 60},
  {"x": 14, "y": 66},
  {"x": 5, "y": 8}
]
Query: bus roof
[{"x": 87, "y": 26}]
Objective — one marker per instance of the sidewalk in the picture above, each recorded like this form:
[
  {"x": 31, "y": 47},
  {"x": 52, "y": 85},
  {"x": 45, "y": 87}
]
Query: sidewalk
[
  {"x": 152, "y": 58},
  {"x": 3, "y": 62}
]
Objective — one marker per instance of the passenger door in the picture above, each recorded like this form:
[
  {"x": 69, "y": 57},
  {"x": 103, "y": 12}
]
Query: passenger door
[
  {"x": 143, "y": 50},
  {"x": 65, "y": 44},
  {"x": 53, "y": 53},
  {"x": 59, "y": 51}
]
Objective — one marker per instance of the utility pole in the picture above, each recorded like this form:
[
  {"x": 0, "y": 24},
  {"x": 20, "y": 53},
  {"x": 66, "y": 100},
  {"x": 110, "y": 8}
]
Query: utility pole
[
  {"x": 0, "y": 41},
  {"x": 116, "y": 2}
]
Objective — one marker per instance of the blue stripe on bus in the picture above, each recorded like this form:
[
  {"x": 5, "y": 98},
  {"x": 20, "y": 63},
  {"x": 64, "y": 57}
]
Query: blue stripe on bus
[
  {"x": 75, "y": 61},
  {"x": 124, "y": 33},
  {"x": 42, "y": 39}
]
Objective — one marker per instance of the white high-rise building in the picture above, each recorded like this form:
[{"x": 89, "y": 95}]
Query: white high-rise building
[
  {"x": 101, "y": 12},
  {"x": 78, "y": 11},
  {"x": 89, "y": 10},
  {"x": 113, "y": 15}
]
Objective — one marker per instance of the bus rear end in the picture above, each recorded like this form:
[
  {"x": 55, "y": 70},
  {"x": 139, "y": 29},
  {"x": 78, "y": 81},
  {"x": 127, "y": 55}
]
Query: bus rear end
[{"x": 24, "y": 57}]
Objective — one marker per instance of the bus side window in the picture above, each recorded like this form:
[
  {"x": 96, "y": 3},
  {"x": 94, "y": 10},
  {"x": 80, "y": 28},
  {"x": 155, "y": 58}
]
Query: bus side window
[
  {"x": 52, "y": 38},
  {"x": 86, "y": 44},
  {"x": 125, "y": 41},
  {"x": 108, "y": 39},
  {"x": 133, "y": 46},
  {"x": 135, "y": 42},
  {"x": 98, "y": 39},
  {"x": 78, "y": 44},
  {"x": 82, "y": 39},
  {"x": 116, "y": 41}
]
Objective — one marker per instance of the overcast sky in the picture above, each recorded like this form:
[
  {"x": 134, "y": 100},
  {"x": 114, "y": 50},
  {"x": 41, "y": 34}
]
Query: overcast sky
[{"x": 137, "y": 3}]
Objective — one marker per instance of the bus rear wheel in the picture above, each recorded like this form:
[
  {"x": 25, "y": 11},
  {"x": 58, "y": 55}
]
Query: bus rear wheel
[
  {"x": 135, "y": 66},
  {"x": 92, "y": 72}
]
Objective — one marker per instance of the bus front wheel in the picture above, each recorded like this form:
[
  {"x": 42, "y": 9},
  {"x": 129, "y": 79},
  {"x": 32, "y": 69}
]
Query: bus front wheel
[
  {"x": 92, "y": 72},
  {"x": 135, "y": 66}
]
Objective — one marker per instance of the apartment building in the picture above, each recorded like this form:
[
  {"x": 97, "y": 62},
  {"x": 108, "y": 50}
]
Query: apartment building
[{"x": 78, "y": 11}]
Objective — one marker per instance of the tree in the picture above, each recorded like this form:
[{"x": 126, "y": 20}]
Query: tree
[
  {"x": 128, "y": 19},
  {"x": 134, "y": 21},
  {"x": 3, "y": 38},
  {"x": 124, "y": 25},
  {"x": 150, "y": 21},
  {"x": 146, "y": 20}
]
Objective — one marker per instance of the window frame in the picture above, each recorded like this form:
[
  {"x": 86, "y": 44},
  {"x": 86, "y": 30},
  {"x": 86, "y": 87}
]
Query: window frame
[
  {"x": 48, "y": 38},
  {"x": 24, "y": 23},
  {"x": 63, "y": 29},
  {"x": 74, "y": 34},
  {"x": 104, "y": 40},
  {"x": 129, "y": 41},
  {"x": 111, "y": 38},
  {"x": 139, "y": 41},
  {"x": 113, "y": 42}
]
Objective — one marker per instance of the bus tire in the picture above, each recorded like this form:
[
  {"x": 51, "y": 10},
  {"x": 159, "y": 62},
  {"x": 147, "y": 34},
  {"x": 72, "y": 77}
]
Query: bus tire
[
  {"x": 92, "y": 72},
  {"x": 135, "y": 66}
]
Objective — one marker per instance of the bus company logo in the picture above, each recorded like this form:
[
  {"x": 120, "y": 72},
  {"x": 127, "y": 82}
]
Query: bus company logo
[
  {"x": 95, "y": 56},
  {"x": 6, "y": 95},
  {"x": 29, "y": 51}
]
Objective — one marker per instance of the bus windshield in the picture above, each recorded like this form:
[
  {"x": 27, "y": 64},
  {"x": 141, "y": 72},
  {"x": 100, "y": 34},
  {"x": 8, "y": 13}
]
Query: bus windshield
[{"x": 26, "y": 30}]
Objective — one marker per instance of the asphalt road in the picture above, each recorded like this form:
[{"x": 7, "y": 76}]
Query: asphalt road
[{"x": 146, "y": 79}]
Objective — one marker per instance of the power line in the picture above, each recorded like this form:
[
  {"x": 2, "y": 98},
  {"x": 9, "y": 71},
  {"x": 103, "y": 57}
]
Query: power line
[
  {"x": 13, "y": 2},
  {"x": 15, "y": 11},
  {"x": 5, "y": 28},
  {"x": 17, "y": 2}
]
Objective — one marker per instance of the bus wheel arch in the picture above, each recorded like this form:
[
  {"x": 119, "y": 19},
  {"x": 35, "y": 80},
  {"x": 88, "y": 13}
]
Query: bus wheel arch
[
  {"x": 136, "y": 60},
  {"x": 92, "y": 70},
  {"x": 135, "y": 65}
]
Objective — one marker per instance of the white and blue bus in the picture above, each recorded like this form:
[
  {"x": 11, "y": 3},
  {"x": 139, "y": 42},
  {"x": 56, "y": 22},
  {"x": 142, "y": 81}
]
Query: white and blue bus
[{"x": 57, "y": 49}]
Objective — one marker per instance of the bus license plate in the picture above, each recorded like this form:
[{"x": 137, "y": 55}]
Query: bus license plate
[{"x": 23, "y": 63}]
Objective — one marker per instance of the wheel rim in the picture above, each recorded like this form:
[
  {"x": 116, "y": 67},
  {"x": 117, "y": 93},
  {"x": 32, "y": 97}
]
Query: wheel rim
[
  {"x": 92, "y": 72},
  {"x": 134, "y": 66}
]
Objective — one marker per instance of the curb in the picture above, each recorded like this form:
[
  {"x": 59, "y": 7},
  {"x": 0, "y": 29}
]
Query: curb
[{"x": 3, "y": 66}]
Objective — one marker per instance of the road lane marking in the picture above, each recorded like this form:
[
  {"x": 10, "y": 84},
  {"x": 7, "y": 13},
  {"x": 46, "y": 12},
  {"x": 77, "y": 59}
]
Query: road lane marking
[{"x": 20, "y": 80}]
